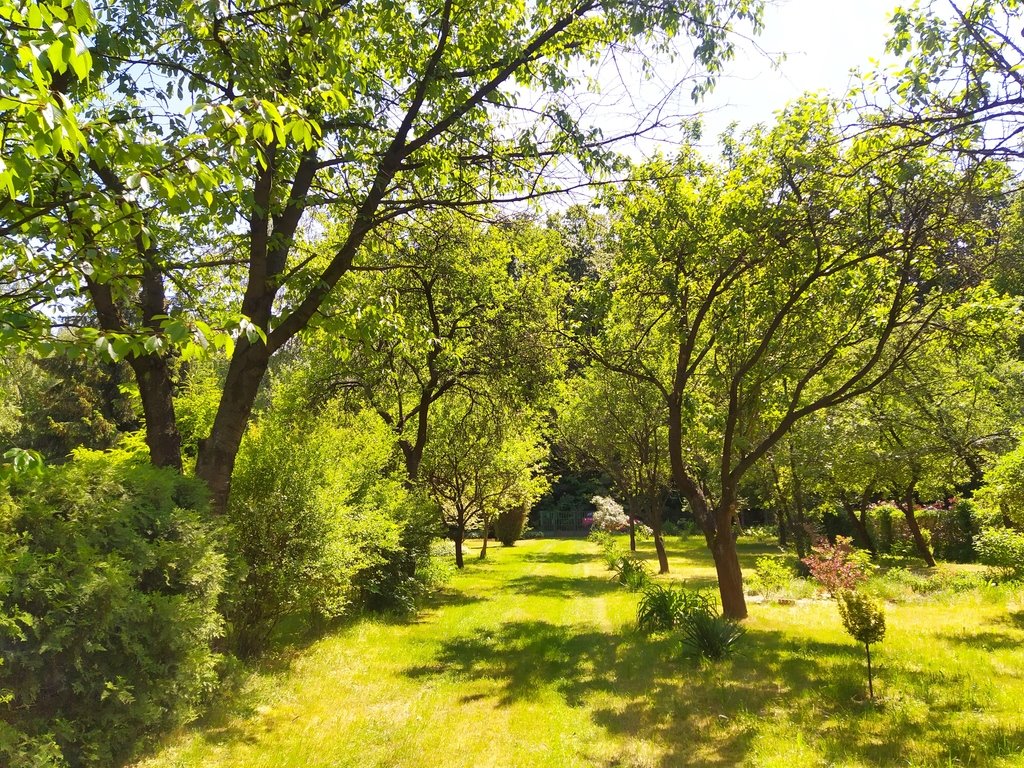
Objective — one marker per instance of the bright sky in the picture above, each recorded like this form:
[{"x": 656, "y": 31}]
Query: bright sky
[{"x": 822, "y": 41}]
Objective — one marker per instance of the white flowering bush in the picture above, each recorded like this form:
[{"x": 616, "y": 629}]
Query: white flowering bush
[{"x": 609, "y": 515}]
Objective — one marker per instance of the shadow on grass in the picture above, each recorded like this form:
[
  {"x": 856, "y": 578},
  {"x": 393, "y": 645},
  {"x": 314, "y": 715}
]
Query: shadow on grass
[
  {"x": 561, "y": 586},
  {"x": 710, "y": 714},
  {"x": 562, "y": 558}
]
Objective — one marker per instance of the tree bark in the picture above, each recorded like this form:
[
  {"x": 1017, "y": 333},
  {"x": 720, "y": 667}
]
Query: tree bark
[
  {"x": 730, "y": 577},
  {"x": 915, "y": 529},
  {"x": 459, "y": 537},
  {"x": 659, "y": 546},
  {"x": 483, "y": 548},
  {"x": 217, "y": 453},
  {"x": 860, "y": 527},
  {"x": 153, "y": 377}
]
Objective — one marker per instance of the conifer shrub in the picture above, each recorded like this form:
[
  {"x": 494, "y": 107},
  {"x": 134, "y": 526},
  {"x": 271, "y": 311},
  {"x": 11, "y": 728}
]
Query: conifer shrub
[
  {"x": 109, "y": 582},
  {"x": 510, "y": 524}
]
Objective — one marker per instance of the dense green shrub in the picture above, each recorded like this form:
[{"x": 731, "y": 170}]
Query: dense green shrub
[
  {"x": 319, "y": 528},
  {"x": 510, "y": 524},
  {"x": 109, "y": 581},
  {"x": 771, "y": 576},
  {"x": 953, "y": 531},
  {"x": 1002, "y": 549},
  {"x": 632, "y": 572},
  {"x": 662, "y": 608}
]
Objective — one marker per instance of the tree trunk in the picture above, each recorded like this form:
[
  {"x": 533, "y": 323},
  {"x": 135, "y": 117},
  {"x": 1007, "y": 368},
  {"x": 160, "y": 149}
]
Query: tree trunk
[
  {"x": 217, "y": 453},
  {"x": 659, "y": 539},
  {"x": 915, "y": 530},
  {"x": 483, "y": 548},
  {"x": 860, "y": 528},
  {"x": 153, "y": 377},
  {"x": 460, "y": 535},
  {"x": 718, "y": 536},
  {"x": 659, "y": 546},
  {"x": 730, "y": 578},
  {"x": 871, "y": 682}
]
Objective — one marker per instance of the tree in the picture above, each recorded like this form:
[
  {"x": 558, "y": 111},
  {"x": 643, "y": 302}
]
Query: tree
[
  {"x": 442, "y": 306},
  {"x": 484, "y": 458},
  {"x": 170, "y": 226},
  {"x": 793, "y": 278},
  {"x": 960, "y": 86},
  {"x": 617, "y": 423}
]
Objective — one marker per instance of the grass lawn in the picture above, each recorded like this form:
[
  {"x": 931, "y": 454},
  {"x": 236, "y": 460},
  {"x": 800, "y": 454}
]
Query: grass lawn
[{"x": 531, "y": 659}]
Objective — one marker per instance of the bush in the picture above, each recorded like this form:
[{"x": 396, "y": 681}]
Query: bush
[
  {"x": 632, "y": 572},
  {"x": 510, "y": 524},
  {"x": 109, "y": 581},
  {"x": 609, "y": 514},
  {"x": 838, "y": 566},
  {"x": 1002, "y": 549},
  {"x": 611, "y": 549},
  {"x": 953, "y": 532},
  {"x": 710, "y": 636},
  {"x": 319, "y": 529},
  {"x": 771, "y": 576},
  {"x": 662, "y": 608}
]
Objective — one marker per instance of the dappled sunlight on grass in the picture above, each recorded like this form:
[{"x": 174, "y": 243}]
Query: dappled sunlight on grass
[{"x": 531, "y": 659}]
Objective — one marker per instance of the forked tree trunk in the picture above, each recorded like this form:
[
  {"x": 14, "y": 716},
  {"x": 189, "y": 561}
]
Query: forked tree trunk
[
  {"x": 218, "y": 452},
  {"x": 717, "y": 527},
  {"x": 860, "y": 528}
]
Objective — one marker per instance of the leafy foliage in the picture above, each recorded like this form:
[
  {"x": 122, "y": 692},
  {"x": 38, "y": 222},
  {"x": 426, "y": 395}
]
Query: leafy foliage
[
  {"x": 510, "y": 524},
  {"x": 318, "y": 526},
  {"x": 837, "y": 567},
  {"x": 665, "y": 607},
  {"x": 771, "y": 575},
  {"x": 709, "y": 635},
  {"x": 1002, "y": 549},
  {"x": 864, "y": 620},
  {"x": 632, "y": 572},
  {"x": 109, "y": 582}
]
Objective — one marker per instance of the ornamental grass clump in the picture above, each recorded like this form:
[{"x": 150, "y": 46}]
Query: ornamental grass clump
[
  {"x": 632, "y": 572},
  {"x": 663, "y": 608},
  {"x": 864, "y": 620},
  {"x": 709, "y": 635}
]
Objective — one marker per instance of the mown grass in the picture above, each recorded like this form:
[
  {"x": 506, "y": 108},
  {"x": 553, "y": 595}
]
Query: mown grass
[{"x": 531, "y": 659}]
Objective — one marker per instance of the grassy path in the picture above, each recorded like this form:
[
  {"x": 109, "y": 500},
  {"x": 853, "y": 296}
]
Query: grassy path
[{"x": 530, "y": 659}]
